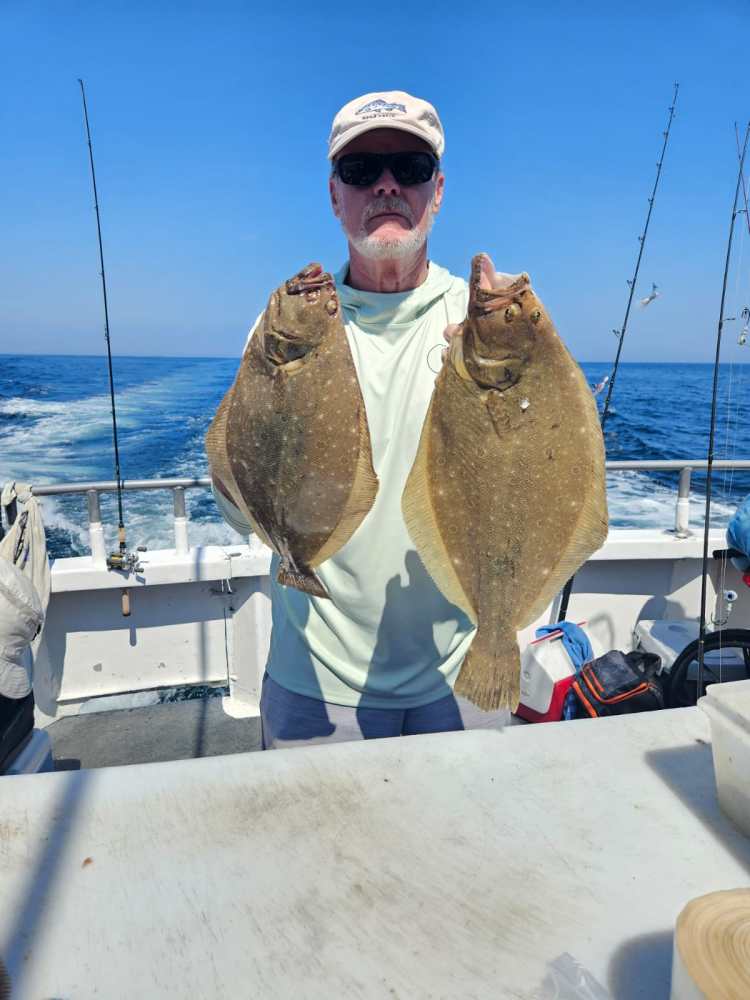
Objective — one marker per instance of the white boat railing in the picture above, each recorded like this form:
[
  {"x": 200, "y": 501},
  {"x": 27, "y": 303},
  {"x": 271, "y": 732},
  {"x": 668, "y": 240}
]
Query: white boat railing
[{"x": 93, "y": 489}]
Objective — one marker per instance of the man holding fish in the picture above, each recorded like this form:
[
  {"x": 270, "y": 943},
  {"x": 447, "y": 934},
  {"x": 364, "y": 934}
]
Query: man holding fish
[{"x": 332, "y": 447}]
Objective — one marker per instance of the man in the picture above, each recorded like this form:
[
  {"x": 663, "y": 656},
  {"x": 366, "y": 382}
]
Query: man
[{"x": 381, "y": 656}]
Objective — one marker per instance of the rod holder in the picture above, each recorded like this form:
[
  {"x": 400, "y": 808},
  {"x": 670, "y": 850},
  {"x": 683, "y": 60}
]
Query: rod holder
[
  {"x": 181, "y": 540},
  {"x": 682, "y": 510},
  {"x": 96, "y": 531}
]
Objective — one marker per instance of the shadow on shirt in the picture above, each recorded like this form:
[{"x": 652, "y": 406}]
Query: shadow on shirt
[
  {"x": 405, "y": 641},
  {"x": 401, "y": 636}
]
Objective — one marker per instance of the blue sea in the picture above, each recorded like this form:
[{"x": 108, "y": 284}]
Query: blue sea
[{"x": 55, "y": 427}]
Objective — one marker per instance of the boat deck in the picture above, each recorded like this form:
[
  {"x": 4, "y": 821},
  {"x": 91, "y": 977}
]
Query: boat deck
[
  {"x": 452, "y": 865},
  {"x": 179, "y": 730}
]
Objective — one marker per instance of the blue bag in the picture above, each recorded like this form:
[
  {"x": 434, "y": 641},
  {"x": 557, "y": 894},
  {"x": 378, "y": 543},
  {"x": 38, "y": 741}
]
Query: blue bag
[{"x": 738, "y": 535}]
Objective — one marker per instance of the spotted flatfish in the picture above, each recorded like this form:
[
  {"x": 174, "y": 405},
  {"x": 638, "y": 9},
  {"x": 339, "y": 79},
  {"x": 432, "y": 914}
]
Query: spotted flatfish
[
  {"x": 290, "y": 442},
  {"x": 506, "y": 498}
]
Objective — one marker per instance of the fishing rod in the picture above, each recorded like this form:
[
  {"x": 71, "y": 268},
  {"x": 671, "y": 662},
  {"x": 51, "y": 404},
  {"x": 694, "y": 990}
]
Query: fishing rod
[
  {"x": 744, "y": 188},
  {"x": 712, "y": 433},
  {"x": 745, "y": 311},
  {"x": 119, "y": 560},
  {"x": 620, "y": 334}
]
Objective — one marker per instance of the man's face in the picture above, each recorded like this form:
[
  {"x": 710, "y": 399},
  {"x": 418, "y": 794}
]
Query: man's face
[{"x": 386, "y": 220}]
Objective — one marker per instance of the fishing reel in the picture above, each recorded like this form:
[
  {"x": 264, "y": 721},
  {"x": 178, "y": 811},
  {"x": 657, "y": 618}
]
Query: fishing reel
[
  {"x": 122, "y": 560},
  {"x": 126, "y": 562}
]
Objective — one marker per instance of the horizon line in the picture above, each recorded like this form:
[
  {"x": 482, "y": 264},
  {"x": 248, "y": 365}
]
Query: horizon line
[{"x": 236, "y": 357}]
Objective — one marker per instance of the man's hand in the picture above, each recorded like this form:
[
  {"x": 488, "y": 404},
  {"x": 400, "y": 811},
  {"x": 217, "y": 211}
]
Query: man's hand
[{"x": 450, "y": 331}]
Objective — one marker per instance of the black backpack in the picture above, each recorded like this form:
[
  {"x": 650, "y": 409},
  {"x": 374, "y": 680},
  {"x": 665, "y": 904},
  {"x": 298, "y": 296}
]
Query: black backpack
[{"x": 617, "y": 683}]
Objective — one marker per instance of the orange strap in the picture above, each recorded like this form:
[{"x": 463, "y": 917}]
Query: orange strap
[
  {"x": 586, "y": 703},
  {"x": 593, "y": 682}
]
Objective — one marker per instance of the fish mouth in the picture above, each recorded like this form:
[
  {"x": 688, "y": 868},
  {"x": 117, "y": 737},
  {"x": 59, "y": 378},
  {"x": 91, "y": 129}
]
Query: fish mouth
[
  {"x": 289, "y": 332},
  {"x": 488, "y": 373},
  {"x": 309, "y": 279},
  {"x": 491, "y": 364},
  {"x": 284, "y": 351},
  {"x": 489, "y": 291},
  {"x": 495, "y": 373}
]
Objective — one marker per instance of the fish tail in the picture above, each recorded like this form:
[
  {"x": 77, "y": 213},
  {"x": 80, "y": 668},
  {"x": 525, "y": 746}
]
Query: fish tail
[
  {"x": 490, "y": 676},
  {"x": 302, "y": 578}
]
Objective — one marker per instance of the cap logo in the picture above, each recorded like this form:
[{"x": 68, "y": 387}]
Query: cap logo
[{"x": 378, "y": 107}]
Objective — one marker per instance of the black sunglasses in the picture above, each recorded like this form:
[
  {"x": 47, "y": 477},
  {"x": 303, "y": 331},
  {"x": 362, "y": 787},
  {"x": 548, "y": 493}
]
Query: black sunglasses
[{"x": 363, "y": 169}]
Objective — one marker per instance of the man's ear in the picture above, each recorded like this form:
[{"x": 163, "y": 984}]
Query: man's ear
[
  {"x": 334, "y": 196},
  {"x": 437, "y": 198}
]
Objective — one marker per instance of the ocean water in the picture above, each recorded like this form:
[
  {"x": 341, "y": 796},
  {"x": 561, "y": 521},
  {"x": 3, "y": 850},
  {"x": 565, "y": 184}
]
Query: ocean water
[{"x": 55, "y": 427}]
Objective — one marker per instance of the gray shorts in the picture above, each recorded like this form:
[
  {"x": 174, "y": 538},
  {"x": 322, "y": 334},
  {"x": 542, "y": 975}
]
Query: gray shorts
[{"x": 291, "y": 720}]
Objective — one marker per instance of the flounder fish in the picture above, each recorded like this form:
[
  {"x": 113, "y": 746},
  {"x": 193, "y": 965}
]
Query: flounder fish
[
  {"x": 290, "y": 443},
  {"x": 506, "y": 498}
]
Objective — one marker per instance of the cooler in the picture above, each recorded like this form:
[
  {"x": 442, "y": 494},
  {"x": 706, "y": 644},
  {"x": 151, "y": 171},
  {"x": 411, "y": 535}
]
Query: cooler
[{"x": 546, "y": 676}]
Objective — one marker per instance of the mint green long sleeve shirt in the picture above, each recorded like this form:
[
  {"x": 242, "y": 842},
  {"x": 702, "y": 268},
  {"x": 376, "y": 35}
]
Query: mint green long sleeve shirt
[{"x": 387, "y": 638}]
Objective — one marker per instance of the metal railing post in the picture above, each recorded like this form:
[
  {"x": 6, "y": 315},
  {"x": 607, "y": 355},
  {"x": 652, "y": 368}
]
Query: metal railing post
[
  {"x": 96, "y": 531},
  {"x": 682, "y": 510},
  {"x": 181, "y": 541}
]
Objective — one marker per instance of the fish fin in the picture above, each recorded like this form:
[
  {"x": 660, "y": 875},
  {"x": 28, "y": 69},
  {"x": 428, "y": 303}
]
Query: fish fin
[
  {"x": 221, "y": 466},
  {"x": 490, "y": 676},
  {"x": 364, "y": 490},
  {"x": 590, "y": 534},
  {"x": 421, "y": 523},
  {"x": 301, "y": 579},
  {"x": 216, "y": 447}
]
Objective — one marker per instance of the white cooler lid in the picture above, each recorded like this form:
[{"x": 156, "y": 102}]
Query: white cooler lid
[{"x": 666, "y": 638}]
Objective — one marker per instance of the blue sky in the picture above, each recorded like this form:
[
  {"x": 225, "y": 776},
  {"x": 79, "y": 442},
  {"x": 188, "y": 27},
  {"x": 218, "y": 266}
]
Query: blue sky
[{"x": 209, "y": 123}]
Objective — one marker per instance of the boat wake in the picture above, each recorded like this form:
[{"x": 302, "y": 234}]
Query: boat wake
[{"x": 55, "y": 427}]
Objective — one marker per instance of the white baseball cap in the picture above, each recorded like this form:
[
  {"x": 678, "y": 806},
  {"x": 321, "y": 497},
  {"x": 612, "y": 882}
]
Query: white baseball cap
[{"x": 386, "y": 109}]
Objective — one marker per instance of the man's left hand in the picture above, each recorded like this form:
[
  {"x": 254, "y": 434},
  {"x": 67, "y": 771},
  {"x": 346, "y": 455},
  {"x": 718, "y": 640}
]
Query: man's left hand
[{"x": 450, "y": 331}]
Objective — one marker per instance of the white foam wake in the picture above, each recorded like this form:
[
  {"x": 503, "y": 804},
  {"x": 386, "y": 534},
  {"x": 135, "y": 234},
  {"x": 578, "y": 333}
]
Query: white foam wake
[
  {"x": 635, "y": 500},
  {"x": 66, "y": 440}
]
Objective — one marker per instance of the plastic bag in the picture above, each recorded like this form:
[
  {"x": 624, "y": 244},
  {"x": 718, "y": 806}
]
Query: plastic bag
[{"x": 567, "y": 979}]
